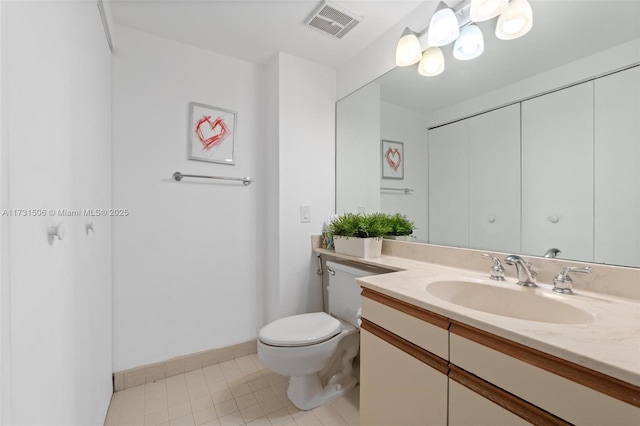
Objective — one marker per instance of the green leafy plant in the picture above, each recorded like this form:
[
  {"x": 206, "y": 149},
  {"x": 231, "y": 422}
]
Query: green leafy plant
[
  {"x": 373, "y": 225},
  {"x": 400, "y": 225}
]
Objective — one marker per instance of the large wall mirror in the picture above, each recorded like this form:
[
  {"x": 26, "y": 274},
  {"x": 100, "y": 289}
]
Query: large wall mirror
[{"x": 532, "y": 146}]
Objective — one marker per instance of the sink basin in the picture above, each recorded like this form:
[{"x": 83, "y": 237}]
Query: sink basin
[{"x": 521, "y": 303}]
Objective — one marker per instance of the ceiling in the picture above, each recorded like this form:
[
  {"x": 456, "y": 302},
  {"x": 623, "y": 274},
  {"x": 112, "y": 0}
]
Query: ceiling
[
  {"x": 255, "y": 30},
  {"x": 563, "y": 31}
]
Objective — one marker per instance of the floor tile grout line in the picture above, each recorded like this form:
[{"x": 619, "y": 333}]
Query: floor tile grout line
[{"x": 249, "y": 375}]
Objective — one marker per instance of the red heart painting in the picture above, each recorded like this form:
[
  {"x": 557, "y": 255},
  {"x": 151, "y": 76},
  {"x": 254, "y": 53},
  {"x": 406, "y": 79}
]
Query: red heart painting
[
  {"x": 394, "y": 159},
  {"x": 211, "y": 134}
]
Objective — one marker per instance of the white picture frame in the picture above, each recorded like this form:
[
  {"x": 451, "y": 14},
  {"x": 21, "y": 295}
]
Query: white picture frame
[
  {"x": 392, "y": 158},
  {"x": 212, "y": 133}
]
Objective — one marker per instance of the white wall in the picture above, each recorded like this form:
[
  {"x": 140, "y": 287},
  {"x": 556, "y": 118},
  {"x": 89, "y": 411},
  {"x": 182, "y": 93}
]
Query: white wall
[
  {"x": 185, "y": 260},
  {"x": 5, "y": 305},
  {"x": 358, "y": 151},
  {"x": 269, "y": 288},
  {"x": 56, "y": 131},
  {"x": 201, "y": 265},
  {"x": 407, "y": 126},
  {"x": 306, "y": 153}
]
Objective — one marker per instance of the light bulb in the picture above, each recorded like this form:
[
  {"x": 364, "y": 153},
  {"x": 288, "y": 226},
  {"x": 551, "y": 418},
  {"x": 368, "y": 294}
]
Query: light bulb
[
  {"x": 483, "y": 10},
  {"x": 470, "y": 44},
  {"x": 514, "y": 25},
  {"x": 443, "y": 28},
  {"x": 432, "y": 62},
  {"x": 515, "y": 21},
  {"x": 408, "y": 50}
]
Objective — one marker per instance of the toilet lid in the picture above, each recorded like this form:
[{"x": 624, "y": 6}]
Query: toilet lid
[{"x": 300, "y": 330}]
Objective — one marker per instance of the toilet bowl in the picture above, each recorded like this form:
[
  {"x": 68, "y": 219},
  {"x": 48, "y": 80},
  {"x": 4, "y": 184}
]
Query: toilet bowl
[
  {"x": 318, "y": 372},
  {"x": 316, "y": 350}
]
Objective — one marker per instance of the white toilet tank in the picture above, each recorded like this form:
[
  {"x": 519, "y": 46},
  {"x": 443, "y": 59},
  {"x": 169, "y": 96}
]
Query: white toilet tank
[{"x": 344, "y": 291}]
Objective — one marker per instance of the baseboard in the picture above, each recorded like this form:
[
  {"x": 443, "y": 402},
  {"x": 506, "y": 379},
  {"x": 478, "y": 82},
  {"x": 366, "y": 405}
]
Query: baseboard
[{"x": 179, "y": 365}]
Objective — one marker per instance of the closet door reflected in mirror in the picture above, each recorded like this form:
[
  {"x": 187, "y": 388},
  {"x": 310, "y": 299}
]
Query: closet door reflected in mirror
[
  {"x": 474, "y": 175},
  {"x": 449, "y": 185},
  {"x": 557, "y": 173},
  {"x": 617, "y": 168},
  {"x": 494, "y": 180}
]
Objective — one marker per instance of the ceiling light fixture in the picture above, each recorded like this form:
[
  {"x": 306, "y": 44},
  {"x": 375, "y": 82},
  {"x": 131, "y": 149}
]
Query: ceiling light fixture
[
  {"x": 408, "y": 50},
  {"x": 456, "y": 24},
  {"x": 432, "y": 62},
  {"x": 444, "y": 27},
  {"x": 483, "y": 10},
  {"x": 515, "y": 21},
  {"x": 470, "y": 44}
]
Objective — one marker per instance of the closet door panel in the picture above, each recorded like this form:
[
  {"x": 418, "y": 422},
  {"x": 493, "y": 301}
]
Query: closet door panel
[
  {"x": 494, "y": 180},
  {"x": 449, "y": 185},
  {"x": 617, "y": 168},
  {"x": 557, "y": 173}
]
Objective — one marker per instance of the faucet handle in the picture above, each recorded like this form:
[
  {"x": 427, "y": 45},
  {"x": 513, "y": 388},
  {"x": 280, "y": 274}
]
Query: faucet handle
[
  {"x": 562, "y": 281},
  {"x": 497, "y": 270}
]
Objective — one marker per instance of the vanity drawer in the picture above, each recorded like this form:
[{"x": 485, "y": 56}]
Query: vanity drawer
[
  {"x": 420, "y": 327},
  {"x": 571, "y": 401}
]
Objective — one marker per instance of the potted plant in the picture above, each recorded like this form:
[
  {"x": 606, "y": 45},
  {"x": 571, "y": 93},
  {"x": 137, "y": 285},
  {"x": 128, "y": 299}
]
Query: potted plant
[
  {"x": 359, "y": 235},
  {"x": 401, "y": 227}
]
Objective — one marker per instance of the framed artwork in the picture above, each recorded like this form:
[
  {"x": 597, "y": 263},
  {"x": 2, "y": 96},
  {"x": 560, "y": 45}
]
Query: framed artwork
[
  {"x": 392, "y": 160},
  {"x": 212, "y": 132}
]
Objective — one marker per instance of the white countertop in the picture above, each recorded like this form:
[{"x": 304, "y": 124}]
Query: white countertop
[{"x": 609, "y": 344}]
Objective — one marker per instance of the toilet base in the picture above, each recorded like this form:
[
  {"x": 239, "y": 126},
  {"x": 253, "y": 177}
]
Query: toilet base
[
  {"x": 307, "y": 392},
  {"x": 337, "y": 379}
]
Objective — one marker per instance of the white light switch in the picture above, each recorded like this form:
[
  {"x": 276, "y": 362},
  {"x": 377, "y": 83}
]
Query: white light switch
[{"x": 305, "y": 214}]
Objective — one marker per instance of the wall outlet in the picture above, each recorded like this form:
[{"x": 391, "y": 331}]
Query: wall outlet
[{"x": 305, "y": 214}]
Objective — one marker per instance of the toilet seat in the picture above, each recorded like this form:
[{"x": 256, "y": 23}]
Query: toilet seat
[{"x": 300, "y": 330}]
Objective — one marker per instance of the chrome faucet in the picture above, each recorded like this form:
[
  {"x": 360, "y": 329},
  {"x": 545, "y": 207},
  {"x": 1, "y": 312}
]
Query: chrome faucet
[
  {"x": 497, "y": 270},
  {"x": 525, "y": 270},
  {"x": 562, "y": 281},
  {"x": 552, "y": 253}
]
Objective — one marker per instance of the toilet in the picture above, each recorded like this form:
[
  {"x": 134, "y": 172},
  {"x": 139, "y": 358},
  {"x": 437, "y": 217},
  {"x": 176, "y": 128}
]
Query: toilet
[{"x": 316, "y": 350}]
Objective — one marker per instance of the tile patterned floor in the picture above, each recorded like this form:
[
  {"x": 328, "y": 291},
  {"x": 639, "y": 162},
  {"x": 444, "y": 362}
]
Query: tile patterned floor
[{"x": 238, "y": 392}]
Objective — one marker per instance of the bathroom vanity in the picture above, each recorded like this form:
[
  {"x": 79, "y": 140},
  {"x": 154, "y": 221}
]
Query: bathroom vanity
[{"x": 446, "y": 345}]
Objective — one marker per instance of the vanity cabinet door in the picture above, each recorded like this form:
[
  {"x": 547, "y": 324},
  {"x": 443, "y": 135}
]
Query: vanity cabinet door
[
  {"x": 449, "y": 185},
  {"x": 398, "y": 389},
  {"x": 617, "y": 168},
  {"x": 494, "y": 180},
  {"x": 557, "y": 173}
]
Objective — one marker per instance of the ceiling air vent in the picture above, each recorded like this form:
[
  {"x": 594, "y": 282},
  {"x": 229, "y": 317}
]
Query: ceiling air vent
[{"x": 333, "y": 20}]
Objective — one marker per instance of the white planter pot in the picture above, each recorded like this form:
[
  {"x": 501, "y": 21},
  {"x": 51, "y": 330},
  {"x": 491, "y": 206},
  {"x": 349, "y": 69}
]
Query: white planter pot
[
  {"x": 398, "y": 237},
  {"x": 365, "y": 248}
]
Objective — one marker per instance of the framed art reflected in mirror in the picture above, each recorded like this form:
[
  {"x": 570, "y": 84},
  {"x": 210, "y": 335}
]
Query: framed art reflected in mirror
[{"x": 392, "y": 160}]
